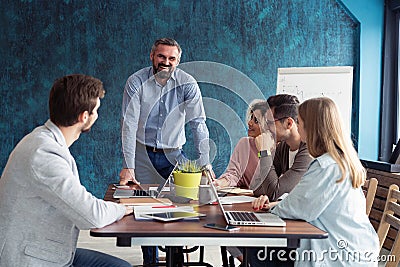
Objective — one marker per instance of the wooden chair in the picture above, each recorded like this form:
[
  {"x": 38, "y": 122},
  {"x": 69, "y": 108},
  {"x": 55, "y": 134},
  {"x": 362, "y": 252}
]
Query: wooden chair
[
  {"x": 369, "y": 189},
  {"x": 391, "y": 217}
]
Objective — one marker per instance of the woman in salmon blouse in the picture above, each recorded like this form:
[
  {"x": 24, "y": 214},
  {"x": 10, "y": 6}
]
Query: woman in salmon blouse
[{"x": 244, "y": 160}]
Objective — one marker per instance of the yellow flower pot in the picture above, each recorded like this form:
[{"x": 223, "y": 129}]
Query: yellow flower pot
[{"x": 187, "y": 184}]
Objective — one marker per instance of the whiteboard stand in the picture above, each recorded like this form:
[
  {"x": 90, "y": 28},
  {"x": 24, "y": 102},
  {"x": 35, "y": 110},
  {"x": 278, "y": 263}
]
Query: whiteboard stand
[{"x": 309, "y": 82}]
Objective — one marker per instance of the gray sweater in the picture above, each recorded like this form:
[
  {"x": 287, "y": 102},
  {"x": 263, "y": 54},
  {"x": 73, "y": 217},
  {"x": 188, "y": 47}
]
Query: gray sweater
[{"x": 278, "y": 178}]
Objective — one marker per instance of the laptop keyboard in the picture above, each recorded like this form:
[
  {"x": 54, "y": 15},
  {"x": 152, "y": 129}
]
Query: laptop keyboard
[
  {"x": 140, "y": 193},
  {"x": 243, "y": 216},
  {"x": 143, "y": 193}
]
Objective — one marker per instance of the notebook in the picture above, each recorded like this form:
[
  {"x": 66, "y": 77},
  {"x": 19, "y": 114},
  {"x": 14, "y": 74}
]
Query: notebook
[
  {"x": 145, "y": 201},
  {"x": 246, "y": 218},
  {"x": 132, "y": 193},
  {"x": 236, "y": 190}
]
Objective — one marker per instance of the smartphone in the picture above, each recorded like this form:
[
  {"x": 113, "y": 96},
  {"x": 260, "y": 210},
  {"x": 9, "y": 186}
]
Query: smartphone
[{"x": 221, "y": 227}]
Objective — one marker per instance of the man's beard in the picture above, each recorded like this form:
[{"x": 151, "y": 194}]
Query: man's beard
[{"x": 163, "y": 71}]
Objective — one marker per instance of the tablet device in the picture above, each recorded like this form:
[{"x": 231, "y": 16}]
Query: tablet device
[{"x": 170, "y": 216}]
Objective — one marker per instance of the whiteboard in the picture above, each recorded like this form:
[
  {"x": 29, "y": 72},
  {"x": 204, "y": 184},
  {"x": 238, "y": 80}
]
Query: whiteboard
[{"x": 308, "y": 82}]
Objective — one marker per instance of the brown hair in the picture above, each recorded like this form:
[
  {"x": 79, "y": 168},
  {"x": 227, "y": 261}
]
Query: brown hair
[
  {"x": 284, "y": 106},
  {"x": 324, "y": 128},
  {"x": 71, "y": 95}
]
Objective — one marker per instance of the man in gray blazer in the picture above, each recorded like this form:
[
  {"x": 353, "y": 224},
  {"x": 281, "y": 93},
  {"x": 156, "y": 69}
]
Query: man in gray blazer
[{"x": 42, "y": 202}]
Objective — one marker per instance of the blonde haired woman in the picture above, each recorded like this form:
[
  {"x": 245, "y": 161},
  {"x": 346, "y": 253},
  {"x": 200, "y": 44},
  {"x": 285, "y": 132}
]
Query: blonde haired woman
[{"x": 329, "y": 194}]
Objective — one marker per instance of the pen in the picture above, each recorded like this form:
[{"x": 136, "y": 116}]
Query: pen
[{"x": 169, "y": 206}]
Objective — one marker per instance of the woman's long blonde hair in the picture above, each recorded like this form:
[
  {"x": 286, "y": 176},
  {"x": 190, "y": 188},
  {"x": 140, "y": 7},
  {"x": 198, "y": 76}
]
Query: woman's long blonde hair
[{"x": 325, "y": 134}]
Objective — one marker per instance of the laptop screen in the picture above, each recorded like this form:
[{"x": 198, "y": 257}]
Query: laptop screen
[
  {"x": 167, "y": 181},
  {"x": 215, "y": 194},
  {"x": 395, "y": 159}
]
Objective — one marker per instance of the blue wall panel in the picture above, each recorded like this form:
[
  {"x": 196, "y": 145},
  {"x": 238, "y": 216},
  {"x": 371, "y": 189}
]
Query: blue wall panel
[
  {"x": 42, "y": 40},
  {"x": 370, "y": 14}
]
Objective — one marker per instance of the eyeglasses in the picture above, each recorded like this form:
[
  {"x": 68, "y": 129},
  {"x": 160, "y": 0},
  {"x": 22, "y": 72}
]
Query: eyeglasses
[
  {"x": 280, "y": 118},
  {"x": 253, "y": 118},
  {"x": 271, "y": 123}
]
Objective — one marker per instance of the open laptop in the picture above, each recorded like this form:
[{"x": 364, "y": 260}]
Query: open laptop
[
  {"x": 395, "y": 157},
  {"x": 393, "y": 165},
  {"x": 246, "y": 218},
  {"x": 131, "y": 193}
]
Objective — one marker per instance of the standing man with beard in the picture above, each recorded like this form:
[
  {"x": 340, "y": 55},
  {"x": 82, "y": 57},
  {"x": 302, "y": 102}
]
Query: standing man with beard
[{"x": 157, "y": 102}]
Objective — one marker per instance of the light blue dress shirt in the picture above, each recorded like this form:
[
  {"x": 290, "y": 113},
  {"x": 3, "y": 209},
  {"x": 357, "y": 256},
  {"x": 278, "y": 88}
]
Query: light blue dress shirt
[
  {"x": 155, "y": 115},
  {"x": 336, "y": 208}
]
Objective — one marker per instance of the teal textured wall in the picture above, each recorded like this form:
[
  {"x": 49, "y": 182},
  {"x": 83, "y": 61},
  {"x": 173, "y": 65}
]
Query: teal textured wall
[{"x": 42, "y": 40}]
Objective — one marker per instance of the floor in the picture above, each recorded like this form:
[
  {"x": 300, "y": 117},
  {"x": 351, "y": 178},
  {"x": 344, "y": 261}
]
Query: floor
[{"x": 134, "y": 254}]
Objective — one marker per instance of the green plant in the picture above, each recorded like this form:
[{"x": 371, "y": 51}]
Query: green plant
[{"x": 189, "y": 166}]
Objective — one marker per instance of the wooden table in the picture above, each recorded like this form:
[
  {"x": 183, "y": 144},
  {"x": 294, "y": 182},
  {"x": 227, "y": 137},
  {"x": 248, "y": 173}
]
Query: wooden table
[{"x": 129, "y": 231}]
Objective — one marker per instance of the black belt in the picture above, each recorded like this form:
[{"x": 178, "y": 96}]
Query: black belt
[{"x": 159, "y": 150}]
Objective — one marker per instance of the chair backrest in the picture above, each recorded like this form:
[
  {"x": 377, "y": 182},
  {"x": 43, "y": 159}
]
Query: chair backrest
[
  {"x": 370, "y": 191},
  {"x": 391, "y": 217}
]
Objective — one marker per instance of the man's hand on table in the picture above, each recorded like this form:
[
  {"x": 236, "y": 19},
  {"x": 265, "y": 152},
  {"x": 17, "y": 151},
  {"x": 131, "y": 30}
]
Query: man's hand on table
[
  {"x": 128, "y": 210},
  {"x": 126, "y": 176}
]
